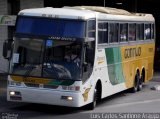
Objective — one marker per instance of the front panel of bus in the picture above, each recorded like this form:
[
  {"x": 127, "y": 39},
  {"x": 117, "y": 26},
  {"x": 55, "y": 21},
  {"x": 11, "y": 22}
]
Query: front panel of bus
[{"x": 51, "y": 60}]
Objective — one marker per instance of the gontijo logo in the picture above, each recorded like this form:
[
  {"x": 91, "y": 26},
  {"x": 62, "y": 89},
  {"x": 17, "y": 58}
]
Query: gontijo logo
[{"x": 132, "y": 52}]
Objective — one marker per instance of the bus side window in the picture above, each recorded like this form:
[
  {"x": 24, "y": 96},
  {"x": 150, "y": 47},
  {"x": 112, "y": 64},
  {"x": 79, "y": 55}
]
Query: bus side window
[
  {"x": 139, "y": 31},
  {"x": 123, "y": 32},
  {"x": 147, "y": 31},
  {"x": 102, "y": 33},
  {"x": 113, "y": 32},
  {"x": 132, "y": 32},
  {"x": 91, "y": 28},
  {"x": 152, "y": 31}
]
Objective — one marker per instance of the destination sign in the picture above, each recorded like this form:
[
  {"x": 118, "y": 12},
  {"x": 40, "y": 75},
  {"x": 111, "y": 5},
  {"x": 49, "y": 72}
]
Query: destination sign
[{"x": 62, "y": 38}]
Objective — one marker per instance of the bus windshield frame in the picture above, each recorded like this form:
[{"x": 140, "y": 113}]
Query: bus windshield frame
[{"x": 45, "y": 42}]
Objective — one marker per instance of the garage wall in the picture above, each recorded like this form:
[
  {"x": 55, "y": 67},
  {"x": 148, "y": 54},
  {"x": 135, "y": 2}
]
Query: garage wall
[
  {"x": 4, "y": 5},
  {"x": 3, "y": 36}
]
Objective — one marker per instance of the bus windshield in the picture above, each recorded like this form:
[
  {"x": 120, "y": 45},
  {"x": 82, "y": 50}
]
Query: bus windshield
[
  {"x": 50, "y": 27},
  {"x": 46, "y": 58}
]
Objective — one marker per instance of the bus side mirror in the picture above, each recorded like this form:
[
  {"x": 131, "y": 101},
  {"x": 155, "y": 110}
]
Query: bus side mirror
[{"x": 7, "y": 48}]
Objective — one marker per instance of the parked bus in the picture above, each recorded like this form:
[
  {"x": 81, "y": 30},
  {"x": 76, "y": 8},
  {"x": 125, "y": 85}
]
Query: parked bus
[{"x": 75, "y": 56}]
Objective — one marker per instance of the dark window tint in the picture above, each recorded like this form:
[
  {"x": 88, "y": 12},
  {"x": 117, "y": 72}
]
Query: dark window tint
[
  {"x": 140, "y": 31},
  {"x": 152, "y": 31},
  {"x": 147, "y": 31},
  {"x": 51, "y": 27},
  {"x": 132, "y": 32},
  {"x": 123, "y": 32},
  {"x": 102, "y": 33},
  {"x": 113, "y": 32},
  {"x": 91, "y": 28}
]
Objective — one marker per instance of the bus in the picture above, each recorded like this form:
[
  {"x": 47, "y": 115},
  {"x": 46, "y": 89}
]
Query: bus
[{"x": 76, "y": 56}]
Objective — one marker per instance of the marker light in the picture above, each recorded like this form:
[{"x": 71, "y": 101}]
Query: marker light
[{"x": 71, "y": 88}]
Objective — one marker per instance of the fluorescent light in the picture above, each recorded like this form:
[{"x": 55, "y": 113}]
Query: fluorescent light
[{"x": 119, "y": 3}]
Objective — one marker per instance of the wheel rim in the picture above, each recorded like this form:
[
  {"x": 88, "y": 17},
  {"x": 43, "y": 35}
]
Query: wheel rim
[
  {"x": 140, "y": 83},
  {"x": 136, "y": 85},
  {"x": 135, "y": 88},
  {"x": 95, "y": 98},
  {"x": 140, "y": 87}
]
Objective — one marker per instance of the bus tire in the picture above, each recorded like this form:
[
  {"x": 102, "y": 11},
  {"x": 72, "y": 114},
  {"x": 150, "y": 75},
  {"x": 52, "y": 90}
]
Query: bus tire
[
  {"x": 96, "y": 95},
  {"x": 140, "y": 83},
  {"x": 136, "y": 83},
  {"x": 93, "y": 104}
]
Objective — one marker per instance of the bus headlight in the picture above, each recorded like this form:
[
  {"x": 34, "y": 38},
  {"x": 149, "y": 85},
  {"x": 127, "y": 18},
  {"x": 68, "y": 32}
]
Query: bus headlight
[
  {"x": 71, "y": 88},
  {"x": 69, "y": 98},
  {"x": 11, "y": 93}
]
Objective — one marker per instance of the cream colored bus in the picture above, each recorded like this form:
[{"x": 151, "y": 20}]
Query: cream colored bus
[{"x": 75, "y": 56}]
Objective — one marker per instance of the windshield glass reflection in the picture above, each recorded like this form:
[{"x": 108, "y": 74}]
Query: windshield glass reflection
[{"x": 46, "y": 58}]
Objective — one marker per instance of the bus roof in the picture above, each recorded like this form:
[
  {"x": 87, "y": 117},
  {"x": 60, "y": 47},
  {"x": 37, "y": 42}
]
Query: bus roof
[
  {"x": 87, "y": 12},
  {"x": 59, "y": 13}
]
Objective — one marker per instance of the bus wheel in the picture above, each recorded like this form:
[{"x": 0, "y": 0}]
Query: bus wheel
[
  {"x": 140, "y": 83},
  {"x": 92, "y": 105},
  {"x": 136, "y": 83},
  {"x": 96, "y": 96}
]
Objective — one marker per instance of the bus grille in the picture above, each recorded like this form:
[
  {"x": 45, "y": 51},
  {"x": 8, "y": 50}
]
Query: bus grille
[
  {"x": 32, "y": 85},
  {"x": 41, "y": 86},
  {"x": 50, "y": 86}
]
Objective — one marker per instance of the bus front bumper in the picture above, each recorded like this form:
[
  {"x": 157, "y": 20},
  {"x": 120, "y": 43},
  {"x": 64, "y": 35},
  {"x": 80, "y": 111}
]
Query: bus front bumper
[{"x": 43, "y": 96}]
